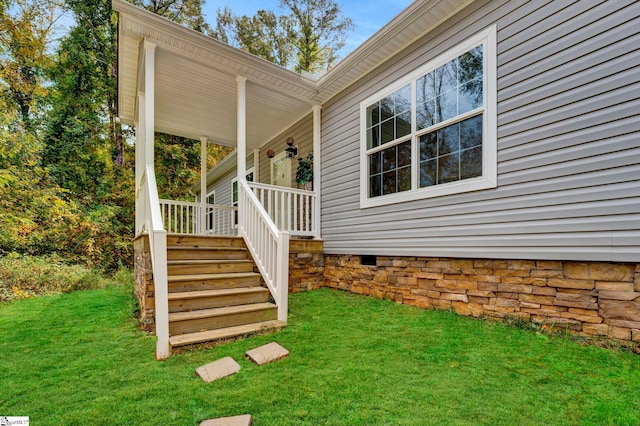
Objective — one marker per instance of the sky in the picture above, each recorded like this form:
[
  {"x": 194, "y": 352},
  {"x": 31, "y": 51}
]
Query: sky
[{"x": 368, "y": 16}]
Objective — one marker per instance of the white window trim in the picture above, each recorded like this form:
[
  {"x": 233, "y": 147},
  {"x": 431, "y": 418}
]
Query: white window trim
[
  {"x": 489, "y": 178},
  {"x": 209, "y": 194}
]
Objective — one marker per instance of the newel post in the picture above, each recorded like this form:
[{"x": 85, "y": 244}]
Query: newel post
[{"x": 282, "y": 283}]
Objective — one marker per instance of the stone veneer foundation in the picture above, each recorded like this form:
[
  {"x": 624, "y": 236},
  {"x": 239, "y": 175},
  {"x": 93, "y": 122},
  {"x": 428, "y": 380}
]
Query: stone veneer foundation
[{"x": 589, "y": 298}]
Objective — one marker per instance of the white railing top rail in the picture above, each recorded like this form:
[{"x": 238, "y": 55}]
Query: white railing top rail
[
  {"x": 273, "y": 229},
  {"x": 281, "y": 189},
  {"x": 198, "y": 205}
]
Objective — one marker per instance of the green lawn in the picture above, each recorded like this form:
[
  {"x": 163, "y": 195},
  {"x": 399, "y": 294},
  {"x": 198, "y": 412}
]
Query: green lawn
[{"x": 78, "y": 359}]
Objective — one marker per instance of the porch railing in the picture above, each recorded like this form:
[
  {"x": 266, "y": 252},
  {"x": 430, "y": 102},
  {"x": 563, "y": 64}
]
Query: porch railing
[
  {"x": 185, "y": 217},
  {"x": 150, "y": 221},
  {"x": 292, "y": 210},
  {"x": 268, "y": 245}
]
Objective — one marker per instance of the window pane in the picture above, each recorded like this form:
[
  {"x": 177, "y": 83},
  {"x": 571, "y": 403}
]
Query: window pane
[
  {"x": 428, "y": 146},
  {"x": 425, "y": 88},
  {"x": 404, "y": 179},
  {"x": 389, "y": 182},
  {"x": 375, "y": 186},
  {"x": 448, "y": 139},
  {"x": 389, "y": 158},
  {"x": 387, "y": 131},
  {"x": 471, "y": 132},
  {"x": 403, "y": 124},
  {"x": 426, "y": 114},
  {"x": 446, "y": 106},
  {"x": 404, "y": 154},
  {"x": 428, "y": 173},
  {"x": 387, "y": 109},
  {"x": 373, "y": 114},
  {"x": 471, "y": 163},
  {"x": 448, "y": 168},
  {"x": 470, "y": 96},
  {"x": 375, "y": 165},
  {"x": 403, "y": 99},
  {"x": 373, "y": 137},
  {"x": 470, "y": 65},
  {"x": 447, "y": 77}
]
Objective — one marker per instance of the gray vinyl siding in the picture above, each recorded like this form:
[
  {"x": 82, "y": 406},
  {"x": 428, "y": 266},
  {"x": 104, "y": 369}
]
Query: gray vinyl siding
[
  {"x": 302, "y": 133},
  {"x": 568, "y": 143},
  {"x": 222, "y": 185}
]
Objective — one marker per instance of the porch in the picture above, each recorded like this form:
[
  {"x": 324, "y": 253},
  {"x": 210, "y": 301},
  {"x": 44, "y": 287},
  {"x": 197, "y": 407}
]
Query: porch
[{"x": 230, "y": 98}]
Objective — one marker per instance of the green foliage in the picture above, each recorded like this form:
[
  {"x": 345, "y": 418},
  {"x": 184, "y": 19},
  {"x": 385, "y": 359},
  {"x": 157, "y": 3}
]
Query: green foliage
[
  {"x": 304, "y": 172},
  {"x": 306, "y": 39},
  {"x": 23, "y": 277},
  {"x": 185, "y": 12}
]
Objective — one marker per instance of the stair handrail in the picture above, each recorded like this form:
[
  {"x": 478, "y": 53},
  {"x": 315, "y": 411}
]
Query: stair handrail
[
  {"x": 268, "y": 245},
  {"x": 152, "y": 224}
]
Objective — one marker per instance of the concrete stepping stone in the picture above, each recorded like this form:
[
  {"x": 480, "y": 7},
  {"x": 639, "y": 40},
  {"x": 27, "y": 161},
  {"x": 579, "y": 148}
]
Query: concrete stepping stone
[
  {"x": 218, "y": 369},
  {"x": 267, "y": 353},
  {"x": 244, "y": 420}
]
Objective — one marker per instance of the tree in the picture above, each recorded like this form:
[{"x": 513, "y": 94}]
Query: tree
[
  {"x": 185, "y": 12},
  {"x": 306, "y": 39},
  {"x": 320, "y": 32},
  {"x": 26, "y": 26},
  {"x": 77, "y": 147},
  {"x": 264, "y": 34}
]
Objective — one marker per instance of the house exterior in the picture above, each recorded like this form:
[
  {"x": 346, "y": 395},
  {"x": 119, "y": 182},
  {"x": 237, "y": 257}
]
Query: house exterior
[{"x": 480, "y": 156}]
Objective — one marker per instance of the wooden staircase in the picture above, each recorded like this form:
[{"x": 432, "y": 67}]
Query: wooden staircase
[{"x": 214, "y": 292}]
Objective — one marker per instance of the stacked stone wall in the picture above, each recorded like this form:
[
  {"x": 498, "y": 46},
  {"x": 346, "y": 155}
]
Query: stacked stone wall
[
  {"x": 589, "y": 298},
  {"x": 306, "y": 265},
  {"x": 144, "y": 290}
]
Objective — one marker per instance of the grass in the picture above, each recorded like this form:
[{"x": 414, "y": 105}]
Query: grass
[{"x": 77, "y": 359}]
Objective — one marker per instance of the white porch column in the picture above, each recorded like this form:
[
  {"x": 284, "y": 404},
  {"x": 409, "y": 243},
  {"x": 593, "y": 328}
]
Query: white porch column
[
  {"x": 242, "y": 143},
  {"x": 242, "y": 127},
  {"x": 317, "y": 121},
  {"x": 203, "y": 185},
  {"x": 149, "y": 101}
]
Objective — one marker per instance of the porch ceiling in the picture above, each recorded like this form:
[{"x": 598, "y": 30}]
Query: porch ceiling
[{"x": 195, "y": 83}]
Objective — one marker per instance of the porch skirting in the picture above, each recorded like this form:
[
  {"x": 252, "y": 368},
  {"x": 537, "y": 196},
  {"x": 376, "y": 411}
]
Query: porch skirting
[{"x": 587, "y": 298}]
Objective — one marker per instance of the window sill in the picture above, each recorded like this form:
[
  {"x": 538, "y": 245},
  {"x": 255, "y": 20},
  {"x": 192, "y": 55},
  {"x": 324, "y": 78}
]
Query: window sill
[{"x": 468, "y": 185}]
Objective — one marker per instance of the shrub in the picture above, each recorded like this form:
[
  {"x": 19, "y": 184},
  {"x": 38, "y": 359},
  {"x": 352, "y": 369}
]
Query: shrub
[{"x": 22, "y": 277}]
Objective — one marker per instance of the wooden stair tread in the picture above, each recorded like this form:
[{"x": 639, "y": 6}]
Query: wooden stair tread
[
  {"x": 214, "y": 293},
  {"x": 218, "y": 312},
  {"x": 221, "y": 276},
  {"x": 223, "y": 333},
  {"x": 206, "y": 261},
  {"x": 229, "y": 248}
]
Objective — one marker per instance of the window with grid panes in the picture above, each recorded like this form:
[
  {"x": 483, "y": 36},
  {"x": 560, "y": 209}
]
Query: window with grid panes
[{"x": 428, "y": 136}]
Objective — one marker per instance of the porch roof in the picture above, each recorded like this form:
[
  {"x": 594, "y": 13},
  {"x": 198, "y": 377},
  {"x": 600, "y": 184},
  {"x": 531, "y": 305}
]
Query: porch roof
[{"x": 195, "y": 93}]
